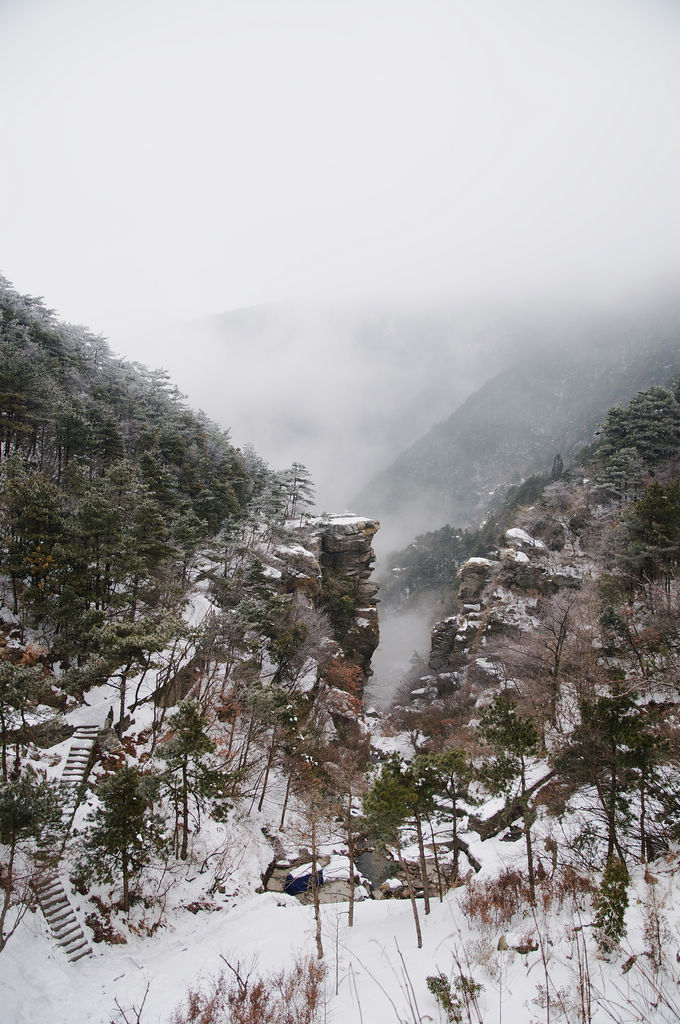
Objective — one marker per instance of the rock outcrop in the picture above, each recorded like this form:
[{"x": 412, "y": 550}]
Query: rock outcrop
[
  {"x": 499, "y": 598},
  {"x": 453, "y": 637},
  {"x": 327, "y": 564},
  {"x": 346, "y": 548}
]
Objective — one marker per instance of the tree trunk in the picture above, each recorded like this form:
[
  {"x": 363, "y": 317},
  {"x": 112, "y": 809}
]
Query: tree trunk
[
  {"x": 423, "y": 866},
  {"x": 350, "y": 857},
  {"x": 436, "y": 862},
  {"x": 7, "y": 888},
  {"x": 126, "y": 891},
  {"x": 285, "y": 802},
  {"x": 315, "y": 893},
  {"x": 530, "y": 855},
  {"x": 231, "y": 734},
  {"x": 246, "y": 750},
  {"x": 643, "y": 824},
  {"x": 527, "y": 835},
  {"x": 185, "y": 813},
  {"x": 454, "y": 832},
  {"x": 270, "y": 760},
  {"x": 120, "y": 729},
  {"x": 411, "y": 894},
  {"x": 611, "y": 815},
  {"x": 3, "y": 741}
]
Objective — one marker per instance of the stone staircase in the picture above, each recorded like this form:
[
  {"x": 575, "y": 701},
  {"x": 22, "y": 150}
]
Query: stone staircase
[
  {"x": 50, "y": 891},
  {"x": 59, "y": 914},
  {"x": 77, "y": 767}
]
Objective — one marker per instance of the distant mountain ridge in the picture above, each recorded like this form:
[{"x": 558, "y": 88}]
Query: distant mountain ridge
[
  {"x": 340, "y": 388},
  {"x": 511, "y": 427}
]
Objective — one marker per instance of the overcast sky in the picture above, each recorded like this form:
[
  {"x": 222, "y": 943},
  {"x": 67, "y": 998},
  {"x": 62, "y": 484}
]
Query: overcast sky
[{"x": 193, "y": 156}]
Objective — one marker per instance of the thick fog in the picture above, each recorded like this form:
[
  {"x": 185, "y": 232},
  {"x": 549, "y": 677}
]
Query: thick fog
[
  {"x": 391, "y": 194},
  {"x": 342, "y": 388},
  {"x": 348, "y": 173},
  {"x": 176, "y": 158}
]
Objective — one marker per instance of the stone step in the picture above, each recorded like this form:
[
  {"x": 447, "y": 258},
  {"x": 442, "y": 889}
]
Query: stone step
[
  {"x": 79, "y": 954},
  {"x": 56, "y": 910},
  {"x": 63, "y": 923},
  {"x": 75, "y": 948},
  {"x": 71, "y": 945},
  {"x": 55, "y": 900},
  {"x": 49, "y": 892},
  {"x": 47, "y": 895},
  {"x": 58, "y": 919},
  {"x": 47, "y": 889}
]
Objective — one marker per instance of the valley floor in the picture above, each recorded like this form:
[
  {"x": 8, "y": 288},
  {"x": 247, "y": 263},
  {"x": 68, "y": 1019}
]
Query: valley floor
[{"x": 375, "y": 972}]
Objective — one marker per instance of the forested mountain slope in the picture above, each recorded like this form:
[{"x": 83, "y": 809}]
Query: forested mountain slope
[
  {"x": 513, "y": 426},
  {"x": 179, "y": 638},
  {"x": 187, "y": 772},
  {"x": 553, "y": 682},
  {"x": 112, "y": 493},
  {"x": 109, "y": 483}
]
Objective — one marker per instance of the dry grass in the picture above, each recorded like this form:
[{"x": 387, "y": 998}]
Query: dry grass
[{"x": 293, "y": 996}]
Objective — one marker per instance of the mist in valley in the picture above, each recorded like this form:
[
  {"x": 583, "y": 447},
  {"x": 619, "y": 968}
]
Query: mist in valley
[
  {"x": 342, "y": 388},
  {"x": 331, "y": 223}
]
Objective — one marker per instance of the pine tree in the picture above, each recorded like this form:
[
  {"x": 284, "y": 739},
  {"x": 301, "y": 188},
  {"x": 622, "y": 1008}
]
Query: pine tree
[
  {"x": 18, "y": 688},
  {"x": 126, "y": 833},
  {"x": 611, "y": 903},
  {"x": 651, "y": 550},
  {"x": 189, "y": 771},
  {"x": 122, "y": 650},
  {"x": 514, "y": 740},
  {"x": 298, "y": 490},
  {"x": 30, "y": 809},
  {"x": 557, "y": 467},
  {"x": 453, "y": 775},
  {"x": 386, "y": 808},
  {"x": 615, "y": 749}
]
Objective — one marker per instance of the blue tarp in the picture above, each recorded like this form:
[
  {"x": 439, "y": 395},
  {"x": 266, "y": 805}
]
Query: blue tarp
[{"x": 293, "y": 886}]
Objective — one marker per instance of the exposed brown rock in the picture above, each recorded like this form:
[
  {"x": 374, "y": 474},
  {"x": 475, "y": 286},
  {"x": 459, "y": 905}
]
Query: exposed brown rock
[{"x": 346, "y": 546}]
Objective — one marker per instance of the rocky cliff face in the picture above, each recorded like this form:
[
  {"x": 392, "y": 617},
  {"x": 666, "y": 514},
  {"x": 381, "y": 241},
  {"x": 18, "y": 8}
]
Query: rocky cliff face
[
  {"x": 330, "y": 568},
  {"x": 346, "y": 548},
  {"x": 500, "y": 597}
]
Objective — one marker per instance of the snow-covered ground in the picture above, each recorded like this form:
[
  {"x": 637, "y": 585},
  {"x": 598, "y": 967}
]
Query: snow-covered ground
[
  {"x": 375, "y": 972},
  {"x": 379, "y": 973}
]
